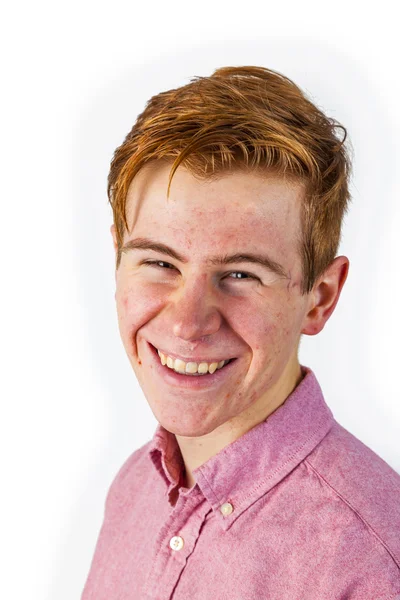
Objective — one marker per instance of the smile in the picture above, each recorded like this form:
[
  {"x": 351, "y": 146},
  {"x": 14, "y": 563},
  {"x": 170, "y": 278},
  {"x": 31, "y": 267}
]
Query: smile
[{"x": 191, "y": 368}]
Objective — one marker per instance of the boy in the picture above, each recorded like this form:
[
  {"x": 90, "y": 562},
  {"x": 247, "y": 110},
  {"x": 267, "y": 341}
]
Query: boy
[{"x": 228, "y": 197}]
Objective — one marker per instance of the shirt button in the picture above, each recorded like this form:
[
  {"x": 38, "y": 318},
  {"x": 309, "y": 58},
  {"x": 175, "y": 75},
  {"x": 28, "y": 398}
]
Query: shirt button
[
  {"x": 176, "y": 542},
  {"x": 226, "y": 509}
]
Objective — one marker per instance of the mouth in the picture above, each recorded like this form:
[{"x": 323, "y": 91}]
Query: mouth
[{"x": 193, "y": 373}]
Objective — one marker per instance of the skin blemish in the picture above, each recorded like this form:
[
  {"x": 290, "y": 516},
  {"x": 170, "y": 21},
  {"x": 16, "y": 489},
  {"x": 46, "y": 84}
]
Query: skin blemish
[
  {"x": 254, "y": 396},
  {"x": 289, "y": 279},
  {"x": 139, "y": 362}
]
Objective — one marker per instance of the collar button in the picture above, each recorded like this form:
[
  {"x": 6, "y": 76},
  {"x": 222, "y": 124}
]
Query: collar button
[{"x": 226, "y": 509}]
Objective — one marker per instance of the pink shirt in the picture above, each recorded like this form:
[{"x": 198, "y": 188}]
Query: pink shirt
[{"x": 295, "y": 509}]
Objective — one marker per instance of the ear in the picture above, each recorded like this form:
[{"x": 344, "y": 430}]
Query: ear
[
  {"x": 115, "y": 244},
  {"x": 114, "y": 236},
  {"x": 325, "y": 295}
]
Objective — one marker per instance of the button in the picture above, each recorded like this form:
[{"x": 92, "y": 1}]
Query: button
[
  {"x": 176, "y": 542},
  {"x": 226, "y": 509}
]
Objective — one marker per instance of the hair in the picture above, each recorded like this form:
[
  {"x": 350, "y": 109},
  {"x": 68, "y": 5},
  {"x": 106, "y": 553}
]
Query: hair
[{"x": 244, "y": 118}]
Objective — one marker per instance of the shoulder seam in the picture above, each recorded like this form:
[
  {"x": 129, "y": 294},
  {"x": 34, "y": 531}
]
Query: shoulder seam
[{"x": 354, "y": 510}]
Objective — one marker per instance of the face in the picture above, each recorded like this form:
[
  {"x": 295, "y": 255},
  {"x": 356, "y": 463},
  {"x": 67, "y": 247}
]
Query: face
[{"x": 212, "y": 274}]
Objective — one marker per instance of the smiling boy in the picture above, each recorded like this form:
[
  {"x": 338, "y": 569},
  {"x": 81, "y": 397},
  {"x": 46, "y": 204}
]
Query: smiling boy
[{"x": 228, "y": 197}]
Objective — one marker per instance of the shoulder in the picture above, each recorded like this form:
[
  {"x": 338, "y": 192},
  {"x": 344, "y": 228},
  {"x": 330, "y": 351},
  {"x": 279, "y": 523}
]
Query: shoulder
[
  {"x": 364, "y": 482},
  {"x": 127, "y": 476}
]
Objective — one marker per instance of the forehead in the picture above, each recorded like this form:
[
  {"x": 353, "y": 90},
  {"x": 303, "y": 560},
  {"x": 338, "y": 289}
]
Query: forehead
[{"x": 234, "y": 209}]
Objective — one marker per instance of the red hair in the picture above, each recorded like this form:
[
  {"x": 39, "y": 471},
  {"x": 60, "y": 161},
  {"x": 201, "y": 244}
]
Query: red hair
[{"x": 248, "y": 118}]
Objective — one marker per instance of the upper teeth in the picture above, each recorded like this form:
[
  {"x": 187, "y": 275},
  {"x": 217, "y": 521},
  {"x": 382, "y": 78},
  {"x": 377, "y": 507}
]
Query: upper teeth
[{"x": 191, "y": 367}]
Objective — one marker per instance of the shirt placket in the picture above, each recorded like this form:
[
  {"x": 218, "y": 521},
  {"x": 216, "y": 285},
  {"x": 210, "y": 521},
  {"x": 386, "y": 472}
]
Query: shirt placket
[{"x": 174, "y": 544}]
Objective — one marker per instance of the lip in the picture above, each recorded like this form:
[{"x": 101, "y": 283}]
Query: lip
[{"x": 189, "y": 381}]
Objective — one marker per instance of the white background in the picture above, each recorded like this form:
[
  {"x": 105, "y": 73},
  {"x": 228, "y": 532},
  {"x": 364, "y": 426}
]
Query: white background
[{"x": 74, "y": 78}]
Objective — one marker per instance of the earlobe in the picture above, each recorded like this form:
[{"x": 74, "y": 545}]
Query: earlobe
[{"x": 325, "y": 295}]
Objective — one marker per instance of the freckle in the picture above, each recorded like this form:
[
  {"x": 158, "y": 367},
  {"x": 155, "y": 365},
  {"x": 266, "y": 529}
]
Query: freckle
[{"x": 227, "y": 396}]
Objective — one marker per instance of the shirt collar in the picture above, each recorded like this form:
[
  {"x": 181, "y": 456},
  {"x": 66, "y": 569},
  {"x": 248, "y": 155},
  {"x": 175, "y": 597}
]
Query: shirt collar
[{"x": 253, "y": 464}]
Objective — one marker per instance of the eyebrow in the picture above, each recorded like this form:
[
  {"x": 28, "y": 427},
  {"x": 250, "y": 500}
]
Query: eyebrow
[{"x": 239, "y": 257}]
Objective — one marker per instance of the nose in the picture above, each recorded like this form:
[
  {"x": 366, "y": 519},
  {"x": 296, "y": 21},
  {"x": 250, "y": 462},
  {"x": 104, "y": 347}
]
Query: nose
[{"x": 194, "y": 311}]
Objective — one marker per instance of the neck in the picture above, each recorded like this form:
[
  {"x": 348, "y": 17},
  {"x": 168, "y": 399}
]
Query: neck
[{"x": 197, "y": 450}]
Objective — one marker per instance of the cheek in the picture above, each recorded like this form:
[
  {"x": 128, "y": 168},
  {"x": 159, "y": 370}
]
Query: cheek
[
  {"x": 269, "y": 326},
  {"x": 136, "y": 304},
  {"x": 259, "y": 321},
  {"x": 284, "y": 322}
]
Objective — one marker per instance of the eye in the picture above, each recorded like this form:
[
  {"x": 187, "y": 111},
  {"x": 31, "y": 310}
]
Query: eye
[
  {"x": 241, "y": 275},
  {"x": 235, "y": 275},
  {"x": 158, "y": 263}
]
